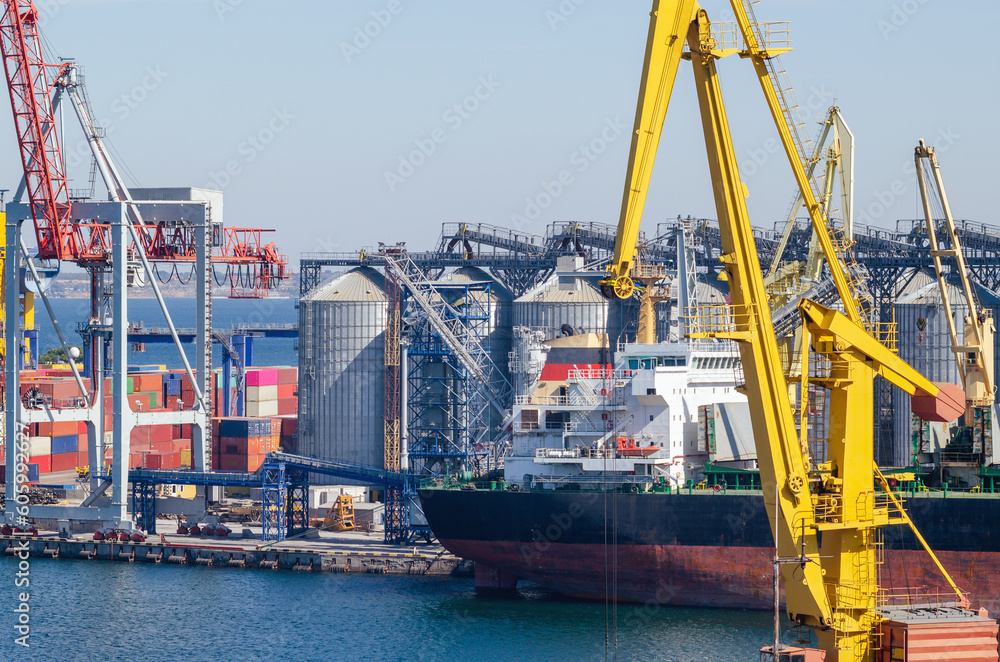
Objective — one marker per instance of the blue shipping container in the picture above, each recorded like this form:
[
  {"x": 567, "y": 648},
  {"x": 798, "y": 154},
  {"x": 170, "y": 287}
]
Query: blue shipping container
[
  {"x": 32, "y": 473},
  {"x": 65, "y": 444},
  {"x": 173, "y": 386}
]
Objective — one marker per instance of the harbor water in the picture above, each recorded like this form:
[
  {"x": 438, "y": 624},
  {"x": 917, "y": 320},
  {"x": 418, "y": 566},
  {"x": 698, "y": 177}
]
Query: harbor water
[{"x": 93, "y": 610}]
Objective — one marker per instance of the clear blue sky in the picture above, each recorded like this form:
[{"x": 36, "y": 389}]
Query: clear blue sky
[{"x": 336, "y": 119}]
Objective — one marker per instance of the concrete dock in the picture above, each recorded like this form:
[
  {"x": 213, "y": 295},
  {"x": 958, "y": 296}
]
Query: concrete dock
[{"x": 327, "y": 552}]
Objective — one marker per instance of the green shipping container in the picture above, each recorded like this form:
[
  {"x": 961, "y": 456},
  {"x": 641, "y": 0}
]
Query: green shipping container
[{"x": 129, "y": 390}]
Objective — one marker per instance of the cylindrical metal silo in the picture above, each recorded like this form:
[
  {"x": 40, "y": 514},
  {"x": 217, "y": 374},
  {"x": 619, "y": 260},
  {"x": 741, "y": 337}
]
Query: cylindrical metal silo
[
  {"x": 924, "y": 343},
  {"x": 563, "y": 301},
  {"x": 341, "y": 369}
]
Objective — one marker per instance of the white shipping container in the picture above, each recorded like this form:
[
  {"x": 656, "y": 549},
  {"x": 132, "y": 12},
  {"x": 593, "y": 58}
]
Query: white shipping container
[
  {"x": 40, "y": 446},
  {"x": 261, "y": 409},
  {"x": 262, "y": 393}
]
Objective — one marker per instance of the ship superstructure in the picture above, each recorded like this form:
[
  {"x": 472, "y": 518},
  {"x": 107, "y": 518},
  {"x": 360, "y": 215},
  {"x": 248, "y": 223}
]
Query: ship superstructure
[{"x": 635, "y": 420}]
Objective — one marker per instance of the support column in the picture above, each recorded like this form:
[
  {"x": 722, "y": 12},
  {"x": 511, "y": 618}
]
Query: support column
[
  {"x": 12, "y": 387},
  {"x": 200, "y": 433},
  {"x": 274, "y": 494},
  {"x": 122, "y": 415}
]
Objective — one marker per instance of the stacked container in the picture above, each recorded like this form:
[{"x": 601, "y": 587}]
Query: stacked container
[
  {"x": 241, "y": 444},
  {"x": 62, "y": 446}
]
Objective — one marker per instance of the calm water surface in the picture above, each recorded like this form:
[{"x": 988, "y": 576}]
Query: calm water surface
[{"x": 88, "y": 610}]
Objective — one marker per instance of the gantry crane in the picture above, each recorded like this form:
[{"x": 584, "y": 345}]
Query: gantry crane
[
  {"x": 825, "y": 515},
  {"x": 974, "y": 351},
  {"x": 110, "y": 240}
]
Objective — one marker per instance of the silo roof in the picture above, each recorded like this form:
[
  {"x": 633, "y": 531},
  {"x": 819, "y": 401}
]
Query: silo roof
[
  {"x": 929, "y": 294},
  {"x": 550, "y": 292},
  {"x": 359, "y": 284},
  {"x": 477, "y": 275}
]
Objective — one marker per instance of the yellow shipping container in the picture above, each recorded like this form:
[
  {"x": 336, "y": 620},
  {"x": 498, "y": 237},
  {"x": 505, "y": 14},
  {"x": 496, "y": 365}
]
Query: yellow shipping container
[{"x": 185, "y": 457}]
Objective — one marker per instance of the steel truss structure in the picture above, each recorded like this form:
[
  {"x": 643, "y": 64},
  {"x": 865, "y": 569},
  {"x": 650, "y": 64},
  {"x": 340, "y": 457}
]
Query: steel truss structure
[{"x": 520, "y": 260}]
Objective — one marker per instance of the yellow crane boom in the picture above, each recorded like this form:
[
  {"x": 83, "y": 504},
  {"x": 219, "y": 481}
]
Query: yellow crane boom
[{"x": 826, "y": 515}]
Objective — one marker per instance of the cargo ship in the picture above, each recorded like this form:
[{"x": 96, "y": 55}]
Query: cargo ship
[{"x": 637, "y": 479}]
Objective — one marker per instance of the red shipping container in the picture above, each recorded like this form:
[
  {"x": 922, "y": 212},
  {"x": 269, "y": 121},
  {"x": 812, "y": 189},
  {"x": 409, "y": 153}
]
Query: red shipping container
[
  {"x": 254, "y": 462},
  {"x": 141, "y": 435},
  {"x": 232, "y": 463},
  {"x": 287, "y": 390},
  {"x": 170, "y": 461},
  {"x": 188, "y": 399},
  {"x": 147, "y": 382},
  {"x": 153, "y": 461},
  {"x": 186, "y": 431},
  {"x": 139, "y": 401},
  {"x": 162, "y": 446},
  {"x": 180, "y": 445},
  {"x": 289, "y": 425},
  {"x": 288, "y": 376},
  {"x": 161, "y": 432},
  {"x": 64, "y": 462},
  {"x": 288, "y": 406},
  {"x": 135, "y": 460},
  {"x": 83, "y": 458},
  {"x": 44, "y": 463},
  {"x": 233, "y": 446}
]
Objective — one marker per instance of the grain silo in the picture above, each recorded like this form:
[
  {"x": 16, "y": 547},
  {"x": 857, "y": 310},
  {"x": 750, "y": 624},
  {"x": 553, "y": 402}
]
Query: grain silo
[
  {"x": 341, "y": 369},
  {"x": 924, "y": 343},
  {"x": 564, "y": 304}
]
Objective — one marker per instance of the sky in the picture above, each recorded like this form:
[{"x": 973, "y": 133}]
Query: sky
[{"x": 345, "y": 123}]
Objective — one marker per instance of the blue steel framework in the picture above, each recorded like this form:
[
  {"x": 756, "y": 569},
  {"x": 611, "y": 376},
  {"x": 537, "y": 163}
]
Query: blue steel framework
[
  {"x": 283, "y": 480},
  {"x": 449, "y": 422},
  {"x": 449, "y": 412}
]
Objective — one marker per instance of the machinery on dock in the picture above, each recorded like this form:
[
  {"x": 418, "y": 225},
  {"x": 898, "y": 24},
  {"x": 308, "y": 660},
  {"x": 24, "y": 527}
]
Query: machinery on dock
[
  {"x": 825, "y": 513},
  {"x": 341, "y": 515}
]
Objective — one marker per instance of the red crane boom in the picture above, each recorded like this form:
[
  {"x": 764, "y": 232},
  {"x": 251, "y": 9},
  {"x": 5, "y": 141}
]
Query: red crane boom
[{"x": 252, "y": 268}]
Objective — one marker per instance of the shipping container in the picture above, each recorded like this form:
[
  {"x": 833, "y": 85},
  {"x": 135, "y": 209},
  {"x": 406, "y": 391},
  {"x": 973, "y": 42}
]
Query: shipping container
[
  {"x": 262, "y": 377},
  {"x": 65, "y": 444},
  {"x": 64, "y": 461},
  {"x": 43, "y": 462},
  {"x": 39, "y": 446}
]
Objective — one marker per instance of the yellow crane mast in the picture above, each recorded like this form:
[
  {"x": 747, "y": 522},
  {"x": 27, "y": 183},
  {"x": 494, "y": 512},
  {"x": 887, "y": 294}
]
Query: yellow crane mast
[{"x": 827, "y": 516}]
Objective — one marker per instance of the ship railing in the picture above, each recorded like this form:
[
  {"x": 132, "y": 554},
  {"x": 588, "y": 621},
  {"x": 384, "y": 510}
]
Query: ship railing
[
  {"x": 615, "y": 397},
  {"x": 542, "y": 453},
  {"x": 609, "y": 478},
  {"x": 600, "y": 374},
  {"x": 911, "y": 597}
]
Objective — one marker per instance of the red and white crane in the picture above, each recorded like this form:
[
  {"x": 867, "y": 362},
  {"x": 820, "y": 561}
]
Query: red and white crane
[{"x": 36, "y": 88}]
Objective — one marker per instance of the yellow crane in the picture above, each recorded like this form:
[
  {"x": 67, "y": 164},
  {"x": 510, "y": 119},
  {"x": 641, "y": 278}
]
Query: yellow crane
[
  {"x": 973, "y": 352},
  {"x": 826, "y": 515}
]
